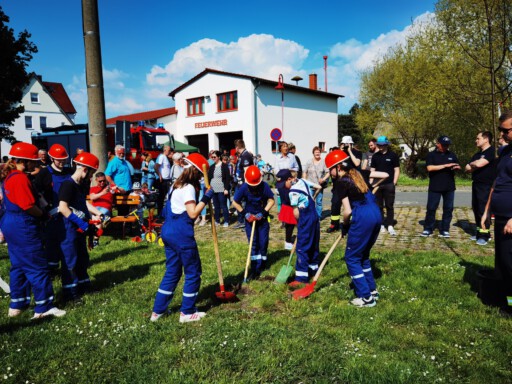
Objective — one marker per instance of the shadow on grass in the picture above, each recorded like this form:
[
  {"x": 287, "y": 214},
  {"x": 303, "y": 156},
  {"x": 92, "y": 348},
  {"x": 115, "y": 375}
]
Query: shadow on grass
[
  {"x": 107, "y": 279},
  {"x": 466, "y": 226},
  {"x": 109, "y": 256},
  {"x": 17, "y": 324}
]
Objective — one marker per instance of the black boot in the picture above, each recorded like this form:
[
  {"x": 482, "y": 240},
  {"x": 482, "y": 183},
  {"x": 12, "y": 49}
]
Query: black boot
[{"x": 335, "y": 226}]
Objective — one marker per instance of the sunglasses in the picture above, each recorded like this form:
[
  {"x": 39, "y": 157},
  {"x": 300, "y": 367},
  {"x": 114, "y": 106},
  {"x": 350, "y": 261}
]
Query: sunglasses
[
  {"x": 505, "y": 131},
  {"x": 101, "y": 181},
  {"x": 213, "y": 157}
]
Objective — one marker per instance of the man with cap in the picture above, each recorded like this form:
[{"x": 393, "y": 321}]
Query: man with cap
[
  {"x": 483, "y": 173},
  {"x": 441, "y": 167},
  {"x": 385, "y": 160},
  {"x": 354, "y": 160}
]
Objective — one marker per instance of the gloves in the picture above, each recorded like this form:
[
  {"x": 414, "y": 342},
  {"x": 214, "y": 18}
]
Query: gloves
[
  {"x": 83, "y": 226},
  {"x": 250, "y": 217},
  {"x": 344, "y": 230},
  {"x": 258, "y": 216},
  {"x": 208, "y": 194},
  {"x": 265, "y": 214}
]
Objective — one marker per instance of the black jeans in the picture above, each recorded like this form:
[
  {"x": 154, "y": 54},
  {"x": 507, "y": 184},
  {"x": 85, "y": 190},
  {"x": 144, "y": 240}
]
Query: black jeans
[
  {"x": 163, "y": 189},
  {"x": 385, "y": 196},
  {"x": 503, "y": 254},
  {"x": 479, "y": 196},
  {"x": 433, "y": 200}
]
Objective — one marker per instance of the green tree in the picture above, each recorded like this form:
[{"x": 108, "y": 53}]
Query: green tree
[
  {"x": 347, "y": 126},
  {"x": 16, "y": 53},
  {"x": 481, "y": 33}
]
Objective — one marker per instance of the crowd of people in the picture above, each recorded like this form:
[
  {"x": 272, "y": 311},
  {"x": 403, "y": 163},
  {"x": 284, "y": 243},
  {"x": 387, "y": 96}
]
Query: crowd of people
[{"x": 49, "y": 210}]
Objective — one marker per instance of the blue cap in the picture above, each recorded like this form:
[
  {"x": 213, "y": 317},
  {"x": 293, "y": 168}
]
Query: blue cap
[
  {"x": 282, "y": 176},
  {"x": 444, "y": 140},
  {"x": 382, "y": 140}
]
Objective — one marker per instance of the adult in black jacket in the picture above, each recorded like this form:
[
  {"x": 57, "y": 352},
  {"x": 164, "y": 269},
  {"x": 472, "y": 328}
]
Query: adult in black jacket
[{"x": 220, "y": 181}]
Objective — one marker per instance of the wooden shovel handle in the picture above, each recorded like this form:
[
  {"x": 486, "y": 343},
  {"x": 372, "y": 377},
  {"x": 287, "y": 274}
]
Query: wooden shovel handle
[
  {"x": 248, "y": 261},
  {"x": 324, "y": 261},
  {"x": 214, "y": 232}
]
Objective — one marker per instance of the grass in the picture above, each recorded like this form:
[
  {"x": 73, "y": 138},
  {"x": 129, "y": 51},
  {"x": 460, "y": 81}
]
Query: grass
[
  {"x": 406, "y": 181},
  {"x": 428, "y": 326}
]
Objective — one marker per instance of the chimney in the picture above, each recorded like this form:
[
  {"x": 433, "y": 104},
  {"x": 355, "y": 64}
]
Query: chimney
[{"x": 313, "y": 81}]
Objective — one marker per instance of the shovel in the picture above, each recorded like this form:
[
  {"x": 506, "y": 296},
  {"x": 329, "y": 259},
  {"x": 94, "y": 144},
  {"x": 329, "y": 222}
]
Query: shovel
[
  {"x": 286, "y": 270},
  {"x": 308, "y": 289},
  {"x": 222, "y": 295},
  {"x": 248, "y": 262}
]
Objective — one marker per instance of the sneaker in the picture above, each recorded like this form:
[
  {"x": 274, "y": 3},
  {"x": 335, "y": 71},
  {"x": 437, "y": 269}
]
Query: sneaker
[
  {"x": 192, "y": 317},
  {"x": 225, "y": 225},
  {"x": 95, "y": 243},
  {"x": 473, "y": 238},
  {"x": 382, "y": 229},
  {"x": 375, "y": 294},
  {"x": 155, "y": 316},
  {"x": 198, "y": 220},
  {"x": 239, "y": 226},
  {"x": 391, "y": 230},
  {"x": 481, "y": 242},
  {"x": 202, "y": 223},
  {"x": 13, "y": 312},
  {"x": 217, "y": 224},
  {"x": 288, "y": 246},
  {"x": 425, "y": 233},
  {"x": 333, "y": 228},
  {"x": 51, "y": 312},
  {"x": 444, "y": 234},
  {"x": 362, "y": 302}
]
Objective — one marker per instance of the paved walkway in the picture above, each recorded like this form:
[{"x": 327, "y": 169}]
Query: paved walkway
[{"x": 408, "y": 228}]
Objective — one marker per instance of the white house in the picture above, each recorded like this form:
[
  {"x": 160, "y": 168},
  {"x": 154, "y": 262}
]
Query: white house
[
  {"x": 215, "y": 108},
  {"x": 46, "y": 105}
]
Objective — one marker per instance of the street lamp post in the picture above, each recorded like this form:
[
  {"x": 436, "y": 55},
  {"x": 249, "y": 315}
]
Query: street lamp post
[{"x": 280, "y": 87}]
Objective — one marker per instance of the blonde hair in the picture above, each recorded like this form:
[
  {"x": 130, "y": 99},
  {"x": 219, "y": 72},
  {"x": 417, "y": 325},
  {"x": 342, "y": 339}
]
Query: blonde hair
[
  {"x": 357, "y": 179},
  {"x": 7, "y": 168}
]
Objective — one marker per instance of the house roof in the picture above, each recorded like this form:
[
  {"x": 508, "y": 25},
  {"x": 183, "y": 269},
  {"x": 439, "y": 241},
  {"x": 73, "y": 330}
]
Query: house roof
[
  {"x": 254, "y": 79},
  {"x": 57, "y": 91},
  {"x": 144, "y": 116}
]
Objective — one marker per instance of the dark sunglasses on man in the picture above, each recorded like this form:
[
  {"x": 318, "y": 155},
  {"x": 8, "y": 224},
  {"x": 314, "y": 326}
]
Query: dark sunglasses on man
[{"x": 503, "y": 130}]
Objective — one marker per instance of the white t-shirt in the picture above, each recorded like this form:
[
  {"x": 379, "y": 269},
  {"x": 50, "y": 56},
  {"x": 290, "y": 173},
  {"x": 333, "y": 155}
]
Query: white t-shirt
[
  {"x": 165, "y": 166},
  {"x": 180, "y": 196}
]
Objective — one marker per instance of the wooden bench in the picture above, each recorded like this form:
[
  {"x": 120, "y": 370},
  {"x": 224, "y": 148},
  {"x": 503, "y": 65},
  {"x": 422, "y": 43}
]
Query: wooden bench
[{"x": 131, "y": 201}]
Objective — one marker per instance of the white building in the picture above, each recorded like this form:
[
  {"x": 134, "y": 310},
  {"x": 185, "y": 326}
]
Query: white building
[
  {"x": 46, "y": 105},
  {"x": 215, "y": 108}
]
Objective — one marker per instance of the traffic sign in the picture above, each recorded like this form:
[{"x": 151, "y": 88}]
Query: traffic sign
[{"x": 276, "y": 134}]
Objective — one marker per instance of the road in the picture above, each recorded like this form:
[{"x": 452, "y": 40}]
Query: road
[{"x": 462, "y": 198}]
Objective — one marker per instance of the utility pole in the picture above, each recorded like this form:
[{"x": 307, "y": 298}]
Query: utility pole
[{"x": 94, "y": 79}]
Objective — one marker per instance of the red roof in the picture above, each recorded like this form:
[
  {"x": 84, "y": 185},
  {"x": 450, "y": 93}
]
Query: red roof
[
  {"x": 144, "y": 116},
  {"x": 57, "y": 91}
]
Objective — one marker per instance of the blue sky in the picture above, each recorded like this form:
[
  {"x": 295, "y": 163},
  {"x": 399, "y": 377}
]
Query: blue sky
[{"x": 151, "y": 47}]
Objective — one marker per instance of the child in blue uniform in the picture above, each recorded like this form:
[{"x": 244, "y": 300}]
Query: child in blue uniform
[
  {"x": 259, "y": 199},
  {"x": 361, "y": 222},
  {"x": 308, "y": 225},
  {"x": 181, "y": 251},
  {"x": 21, "y": 225}
]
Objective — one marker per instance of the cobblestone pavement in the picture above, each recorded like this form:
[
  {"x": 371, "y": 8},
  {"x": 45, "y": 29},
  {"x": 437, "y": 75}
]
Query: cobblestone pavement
[{"x": 409, "y": 226}]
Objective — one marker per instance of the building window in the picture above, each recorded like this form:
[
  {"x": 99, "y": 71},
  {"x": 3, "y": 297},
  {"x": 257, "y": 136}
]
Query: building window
[
  {"x": 195, "y": 106},
  {"x": 321, "y": 145},
  {"x": 28, "y": 122},
  {"x": 42, "y": 121},
  {"x": 227, "y": 101},
  {"x": 34, "y": 97}
]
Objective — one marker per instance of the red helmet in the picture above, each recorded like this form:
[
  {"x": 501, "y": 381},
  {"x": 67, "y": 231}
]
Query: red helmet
[
  {"x": 23, "y": 150},
  {"x": 58, "y": 152},
  {"x": 197, "y": 161},
  {"x": 335, "y": 157},
  {"x": 253, "y": 176},
  {"x": 87, "y": 160}
]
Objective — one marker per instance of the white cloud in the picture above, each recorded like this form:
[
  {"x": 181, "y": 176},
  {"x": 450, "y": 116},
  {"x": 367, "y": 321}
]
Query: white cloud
[{"x": 260, "y": 55}]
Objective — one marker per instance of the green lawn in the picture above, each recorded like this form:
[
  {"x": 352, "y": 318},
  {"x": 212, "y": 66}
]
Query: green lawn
[{"x": 428, "y": 326}]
